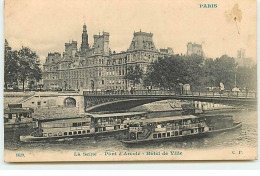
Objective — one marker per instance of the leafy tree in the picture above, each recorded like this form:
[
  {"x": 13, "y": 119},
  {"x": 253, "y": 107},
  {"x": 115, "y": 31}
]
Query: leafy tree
[
  {"x": 209, "y": 67},
  {"x": 247, "y": 77},
  {"x": 166, "y": 72},
  {"x": 21, "y": 66},
  {"x": 224, "y": 71},
  {"x": 28, "y": 67},
  {"x": 134, "y": 74},
  {"x": 10, "y": 66},
  {"x": 169, "y": 72},
  {"x": 195, "y": 72}
]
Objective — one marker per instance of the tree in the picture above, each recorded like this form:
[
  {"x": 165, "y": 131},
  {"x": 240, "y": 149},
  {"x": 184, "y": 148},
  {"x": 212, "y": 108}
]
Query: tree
[
  {"x": 28, "y": 67},
  {"x": 10, "y": 66},
  {"x": 224, "y": 71},
  {"x": 21, "y": 66},
  {"x": 209, "y": 67},
  {"x": 247, "y": 77},
  {"x": 170, "y": 72},
  {"x": 166, "y": 72},
  {"x": 195, "y": 71},
  {"x": 134, "y": 74}
]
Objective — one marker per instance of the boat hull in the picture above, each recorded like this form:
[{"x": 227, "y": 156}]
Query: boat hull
[
  {"x": 181, "y": 138},
  {"x": 15, "y": 126},
  {"x": 30, "y": 138}
]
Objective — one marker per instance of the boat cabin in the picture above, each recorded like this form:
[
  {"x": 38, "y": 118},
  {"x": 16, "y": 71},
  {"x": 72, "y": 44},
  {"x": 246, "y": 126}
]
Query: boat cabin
[
  {"x": 86, "y": 124},
  {"x": 164, "y": 127},
  {"x": 15, "y": 113},
  {"x": 65, "y": 127},
  {"x": 115, "y": 121}
]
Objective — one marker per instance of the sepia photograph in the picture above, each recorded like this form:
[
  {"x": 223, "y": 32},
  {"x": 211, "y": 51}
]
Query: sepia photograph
[{"x": 130, "y": 80}]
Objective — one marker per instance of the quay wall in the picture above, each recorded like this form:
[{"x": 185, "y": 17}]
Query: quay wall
[{"x": 38, "y": 100}]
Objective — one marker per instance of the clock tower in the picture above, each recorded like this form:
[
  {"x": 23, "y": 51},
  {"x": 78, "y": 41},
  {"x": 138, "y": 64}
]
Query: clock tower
[{"x": 84, "y": 44}]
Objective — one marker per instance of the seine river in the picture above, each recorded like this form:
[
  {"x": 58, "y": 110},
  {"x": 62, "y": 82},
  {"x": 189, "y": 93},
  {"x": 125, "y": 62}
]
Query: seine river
[{"x": 245, "y": 136}]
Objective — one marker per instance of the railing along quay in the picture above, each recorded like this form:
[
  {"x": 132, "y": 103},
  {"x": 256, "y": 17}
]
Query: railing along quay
[{"x": 209, "y": 94}]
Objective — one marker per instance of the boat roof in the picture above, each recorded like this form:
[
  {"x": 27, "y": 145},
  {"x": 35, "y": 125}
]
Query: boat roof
[
  {"x": 17, "y": 110},
  {"x": 163, "y": 119},
  {"x": 85, "y": 117},
  {"x": 74, "y": 120},
  {"x": 117, "y": 114}
]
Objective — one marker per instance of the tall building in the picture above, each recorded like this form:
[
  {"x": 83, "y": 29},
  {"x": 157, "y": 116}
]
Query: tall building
[
  {"x": 193, "y": 48},
  {"x": 96, "y": 67},
  {"x": 84, "y": 44},
  {"x": 242, "y": 60}
]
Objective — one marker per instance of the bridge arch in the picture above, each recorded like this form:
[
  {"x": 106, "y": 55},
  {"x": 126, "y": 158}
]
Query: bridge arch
[{"x": 69, "y": 102}]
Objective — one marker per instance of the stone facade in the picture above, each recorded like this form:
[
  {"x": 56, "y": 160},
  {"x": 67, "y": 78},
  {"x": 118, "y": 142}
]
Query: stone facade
[
  {"x": 242, "y": 60},
  {"x": 193, "y": 48},
  {"x": 96, "y": 67}
]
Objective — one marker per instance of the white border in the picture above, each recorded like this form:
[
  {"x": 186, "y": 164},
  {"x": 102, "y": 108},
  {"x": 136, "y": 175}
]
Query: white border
[{"x": 184, "y": 165}]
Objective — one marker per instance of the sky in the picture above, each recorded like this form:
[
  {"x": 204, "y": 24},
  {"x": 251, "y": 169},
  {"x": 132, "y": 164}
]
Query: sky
[{"x": 45, "y": 25}]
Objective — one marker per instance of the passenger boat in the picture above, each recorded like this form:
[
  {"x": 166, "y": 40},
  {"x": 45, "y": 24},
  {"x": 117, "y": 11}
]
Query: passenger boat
[
  {"x": 82, "y": 126},
  {"x": 177, "y": 128}
]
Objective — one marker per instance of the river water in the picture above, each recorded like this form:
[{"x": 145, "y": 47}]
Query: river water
[{"x": 244, "y": 137}]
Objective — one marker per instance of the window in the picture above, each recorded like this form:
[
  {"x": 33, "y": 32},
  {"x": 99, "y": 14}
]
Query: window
[
  {"x": 74, "y": 124},
  {"x": 70, "y": 133},
  {"x": 159, "y": 135},
  {"x": 74, "y": 132},
  {"x": 176, "y": 133},
  {"x": 44, "y": 134},
  {"x": 50, "y": 134},
  {"x": 164, "y": 135},
  {"x": 65, "y": 133},
  {"x": 85, "y": 123},
  {"x": 168, "y": 134},
  {"x": 32, "y": 102},
  {"x": 44, "y": 102},
  {"x": 154, "y": 135},
  {"x": 84, "y": 132},
  {"x": 79, "y": 124},
  {"x": 173, "y": 133},
  {"x": 88, "y": 131},
  {"x": 180, "y": 132},
  {"x": 39, "y": 103},
  {"x": 79, "y": 132}
]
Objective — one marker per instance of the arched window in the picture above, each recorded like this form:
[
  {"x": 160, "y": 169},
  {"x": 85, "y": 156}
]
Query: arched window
[{"x": 70, "y": 102}]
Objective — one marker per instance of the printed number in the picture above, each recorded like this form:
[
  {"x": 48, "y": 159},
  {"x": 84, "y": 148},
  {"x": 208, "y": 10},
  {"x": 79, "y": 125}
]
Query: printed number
[{"x": 20, "y": 155}]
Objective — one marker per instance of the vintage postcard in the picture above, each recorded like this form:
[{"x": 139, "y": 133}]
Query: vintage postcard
[{"x": 130, "y": 80}]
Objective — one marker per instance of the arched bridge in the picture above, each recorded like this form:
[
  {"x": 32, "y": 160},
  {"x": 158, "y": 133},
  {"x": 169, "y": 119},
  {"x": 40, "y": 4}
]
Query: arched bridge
[{"x": 95, "y": 101}]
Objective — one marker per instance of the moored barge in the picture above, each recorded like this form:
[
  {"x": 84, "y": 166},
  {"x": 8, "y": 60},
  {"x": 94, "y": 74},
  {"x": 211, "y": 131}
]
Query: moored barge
[
  {"x": 178, "y": 128},
  {"x": 82, "y": 126}
]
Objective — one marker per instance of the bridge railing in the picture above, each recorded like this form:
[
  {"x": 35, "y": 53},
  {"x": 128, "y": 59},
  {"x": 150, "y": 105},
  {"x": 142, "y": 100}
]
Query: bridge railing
[{"x": 224, "y": 94}]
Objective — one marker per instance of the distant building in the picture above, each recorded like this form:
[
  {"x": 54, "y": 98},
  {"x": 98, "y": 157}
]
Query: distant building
[
  {"x": 242, "y": 60},
  {"x": 166, "y": 50},
  {"x": 96, "y": 67},
  {"x": 193, "y": 48}
]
